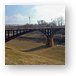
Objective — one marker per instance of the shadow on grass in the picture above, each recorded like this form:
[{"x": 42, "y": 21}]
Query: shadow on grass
[
  {"x": 36, "y": 48},
  {"x": 36, "y": 39}
]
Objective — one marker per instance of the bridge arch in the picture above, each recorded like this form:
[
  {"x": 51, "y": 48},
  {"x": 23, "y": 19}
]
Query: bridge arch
[{"x": 37, "y": 36}]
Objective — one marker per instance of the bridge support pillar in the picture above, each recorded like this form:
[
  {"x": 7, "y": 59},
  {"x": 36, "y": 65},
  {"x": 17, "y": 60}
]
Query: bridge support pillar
[{"x": 50, "y": 42}]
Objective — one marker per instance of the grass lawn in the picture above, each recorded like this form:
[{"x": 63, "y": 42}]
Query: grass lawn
[{"x": 26, "y": 51}]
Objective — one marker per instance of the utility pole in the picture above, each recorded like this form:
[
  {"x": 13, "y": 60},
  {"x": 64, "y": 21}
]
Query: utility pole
[
  {"x": 61, "y": 20},
  {"x": 29, "y": 20}
]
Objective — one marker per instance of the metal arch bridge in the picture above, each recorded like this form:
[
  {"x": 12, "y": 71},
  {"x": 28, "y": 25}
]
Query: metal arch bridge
[{"x": 48, "y": 32}]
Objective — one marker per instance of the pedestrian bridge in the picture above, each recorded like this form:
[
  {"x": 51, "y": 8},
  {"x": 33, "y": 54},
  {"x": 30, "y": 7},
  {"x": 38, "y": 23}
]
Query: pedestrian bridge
[{"x": 48, "y": 32}]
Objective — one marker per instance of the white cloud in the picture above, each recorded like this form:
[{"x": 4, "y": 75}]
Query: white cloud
[
  {"x": 16, "y": 19},
  {"x": 46, "y": 12}
]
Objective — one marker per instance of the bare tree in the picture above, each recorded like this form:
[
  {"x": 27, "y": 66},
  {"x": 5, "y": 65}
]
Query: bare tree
[
  {"x": 60, "y": 21},
  {"x": 41, "y": 22}
]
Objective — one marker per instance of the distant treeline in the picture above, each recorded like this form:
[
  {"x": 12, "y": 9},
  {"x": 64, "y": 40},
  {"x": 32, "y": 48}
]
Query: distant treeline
[{"x": 28, "y": 26}]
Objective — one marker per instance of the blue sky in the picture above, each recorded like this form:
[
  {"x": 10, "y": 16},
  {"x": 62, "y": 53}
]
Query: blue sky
[
  {"x": 13, "y": 9},
  {"x": 19, "y": 14}
]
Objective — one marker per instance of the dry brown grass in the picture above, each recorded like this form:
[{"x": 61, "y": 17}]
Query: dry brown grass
[
  {"x": 20, "y": 51},
  {"x": 28, "y": 52}
]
